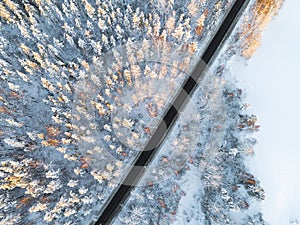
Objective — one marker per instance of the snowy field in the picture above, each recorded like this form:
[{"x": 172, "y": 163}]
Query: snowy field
[{"x": 271, "y": 79}]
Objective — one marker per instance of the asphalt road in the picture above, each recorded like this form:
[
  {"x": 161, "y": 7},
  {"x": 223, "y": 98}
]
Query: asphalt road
[{"x": 118, "y": 198}]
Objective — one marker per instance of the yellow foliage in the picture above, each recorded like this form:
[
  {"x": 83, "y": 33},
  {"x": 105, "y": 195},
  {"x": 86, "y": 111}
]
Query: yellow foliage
[
  {"x": 262, "y": 13},
  {"x": 10, "y": 5},
  {"x": 4, "y": 13}
]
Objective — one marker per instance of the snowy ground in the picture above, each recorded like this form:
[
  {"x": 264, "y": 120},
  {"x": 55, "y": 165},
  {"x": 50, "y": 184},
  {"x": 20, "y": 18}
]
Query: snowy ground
[
  {"x": 189, "y": 211},
  {"x": 272, "y": 82}
]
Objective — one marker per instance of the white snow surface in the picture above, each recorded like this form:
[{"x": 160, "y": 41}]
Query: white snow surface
[
  {"x": 271, "y": 79},
  {"x": 189, "y": 210}
]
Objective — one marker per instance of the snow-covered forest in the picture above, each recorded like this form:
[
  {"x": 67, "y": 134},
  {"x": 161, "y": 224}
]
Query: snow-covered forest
[{"x": 83, "y": 85}]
